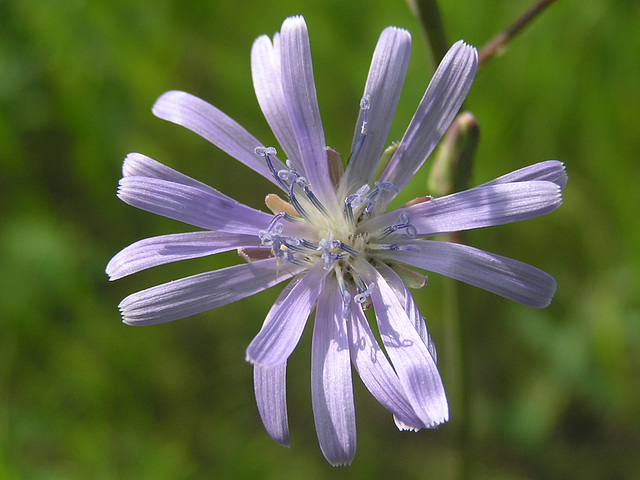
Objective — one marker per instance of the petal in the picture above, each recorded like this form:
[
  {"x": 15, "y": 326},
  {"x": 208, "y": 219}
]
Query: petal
[
  {"x": 550, "y": 170},
  {"x": 271, "y": 397},
  {"x": 442, "y": 100},
  {"x": 482, "y": 206},
  {"x": 404, "y": 295},
  {"x": 199, "y": 293},
  {"x": 384, "y": 83},
  {"x": 210, "y": 123},
  {"x": 302, "y": 105},
  {"x": 139, "y": 165},
  {"x": 155, "y": 251},
  {"x": 500, "y": 275},
  {"x": 284, "y": 325},
  {"x": 331, "y": 386},
  {"x": 201, "y": 207},
  {"x": 376, "y": 371},
  {"x": 411, "y": 359},
  {"x": 267, "y": 83}
]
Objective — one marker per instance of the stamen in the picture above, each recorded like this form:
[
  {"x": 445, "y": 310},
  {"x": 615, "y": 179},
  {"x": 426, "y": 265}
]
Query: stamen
[
  {"x": 326, "y": 246},
  {"x": 384, "y": 246},
  {"x": 296, "y": 204},
  {"x": 314, "y": 200},
  {"x": 393, "y": 247},
  {"x": 361, "y": 297},
  {"x": 346, "y": 296},
  {"x": 359, "y": 283},
  {"x": 345, "y": 247},
  {"x": 282, "y": 247},
  {"x": 402, "y": 223},
  {"x": 377, "y": 191},
  {"x": 365, "y": 104},
  {"x": 358, "y": 198},
  {"x": 292, "y": 178},
  {"x": 267, "y": 153},
  {"x": 273, "y": 231},
  {"x": 354, "y": 201}
]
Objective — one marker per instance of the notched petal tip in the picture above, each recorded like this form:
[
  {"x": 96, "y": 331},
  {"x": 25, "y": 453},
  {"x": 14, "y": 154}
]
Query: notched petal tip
[
  {"x": 465, "y": 50},
  {"x": 345, "y": 463},
  {"x": 398, "y": 32},
  {"x": 294, "y": 20},
  {"x": 561, "y": 178}
]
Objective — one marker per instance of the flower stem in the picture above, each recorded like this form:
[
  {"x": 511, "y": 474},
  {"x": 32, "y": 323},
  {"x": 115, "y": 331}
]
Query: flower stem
[
  {"x": 497, "y": 44},
  {"x": 428, "y": 13},
  {"x": 455, "y": 339}
]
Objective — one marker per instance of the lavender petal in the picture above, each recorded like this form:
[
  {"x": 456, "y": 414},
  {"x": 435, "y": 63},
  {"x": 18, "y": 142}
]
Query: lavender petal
[
  {"x": 199, "y": 293},
  {"x": 267, "y": 83},
  {"x": 383, "y": 87},
  {"x": 549, "y": 170},
  {"x": 302, "y": 105},
  {"x": 441, "y": 102},
  {"x": 155, "y": 251},
  {"x": 139, "y": 165},
  {"x": 331, "y": 383},
  {"x": 482, "y": 206},
  {"x": 271, "y": 397},
  {"x": 404, "y": 295},
  {"x": 411, "y": 359},
  {"x": 503, "y": 276},
  {"x": 376, "y": 372},
  {"x": 285, "y": 322},
  {"x": 201, "y": 207},
  {"x": 210, "y": 123}
]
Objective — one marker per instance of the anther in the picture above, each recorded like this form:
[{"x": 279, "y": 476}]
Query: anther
[
  {"x": 273, "y": 231},
  {"x": 267, "y": 153},
  {"x": 354, "y": 201},
  {"x": 377, "y": 191},
  {"x": 365, "y": 104},
  {"x": 402, "y": 223},
  {"x": 361, "y": 297}
]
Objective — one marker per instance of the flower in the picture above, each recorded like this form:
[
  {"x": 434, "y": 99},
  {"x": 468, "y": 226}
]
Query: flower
[{"x": 332, "y": 236}]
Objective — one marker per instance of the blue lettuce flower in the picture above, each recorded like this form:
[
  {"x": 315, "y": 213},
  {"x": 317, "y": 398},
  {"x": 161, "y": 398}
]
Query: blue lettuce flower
[{"x": 331, "y": 235}]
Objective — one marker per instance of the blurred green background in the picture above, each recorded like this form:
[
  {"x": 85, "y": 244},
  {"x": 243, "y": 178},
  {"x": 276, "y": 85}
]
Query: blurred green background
[{"x": 551, "y": 394}]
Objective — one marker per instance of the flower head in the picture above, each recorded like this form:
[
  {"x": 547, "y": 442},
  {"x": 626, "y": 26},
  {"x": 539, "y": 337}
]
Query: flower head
[{"x": 329, "y": 231}]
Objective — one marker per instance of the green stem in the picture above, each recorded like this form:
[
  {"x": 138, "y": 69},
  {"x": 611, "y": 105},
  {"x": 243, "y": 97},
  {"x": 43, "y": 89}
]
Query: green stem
[
  {"x": 456, "y": 373},
  {"x": 428, "y": 13}
]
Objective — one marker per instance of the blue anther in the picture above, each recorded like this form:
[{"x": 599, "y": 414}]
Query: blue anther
[
  {"x": 377, "y": 191},
  {"x": 354, "y": 201},
  {"x": 267, "y": 153},
  {"x": 365, "y": 104},
  {"x": 361, "y": 297},
  {"x": 273, "y": 231},
  {"x": 402, "y": 223}
]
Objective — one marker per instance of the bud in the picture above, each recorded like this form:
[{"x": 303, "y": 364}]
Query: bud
[
  {"x": 451, "y": 168},
  {"x": 385, "y": 158}
]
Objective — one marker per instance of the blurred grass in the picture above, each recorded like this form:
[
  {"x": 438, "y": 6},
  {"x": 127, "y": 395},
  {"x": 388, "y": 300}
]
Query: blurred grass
[{"x": 554, "y": 393}]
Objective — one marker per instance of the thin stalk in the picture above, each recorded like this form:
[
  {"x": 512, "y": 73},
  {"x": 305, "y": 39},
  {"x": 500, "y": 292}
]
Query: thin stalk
[
  {"x": 497, "y": 44},
  {"x": 428, "y": 13}
]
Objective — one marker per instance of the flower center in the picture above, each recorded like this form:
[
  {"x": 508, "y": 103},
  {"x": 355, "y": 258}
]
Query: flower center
[{"x": 304, "y": 232}]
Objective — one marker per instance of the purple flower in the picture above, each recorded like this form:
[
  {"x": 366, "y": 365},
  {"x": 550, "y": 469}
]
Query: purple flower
[{"x": 331, "y": 235}]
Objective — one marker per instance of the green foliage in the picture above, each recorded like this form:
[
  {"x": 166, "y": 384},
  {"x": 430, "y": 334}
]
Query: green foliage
[{"x": 552, "y": 394}]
